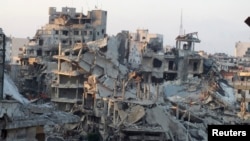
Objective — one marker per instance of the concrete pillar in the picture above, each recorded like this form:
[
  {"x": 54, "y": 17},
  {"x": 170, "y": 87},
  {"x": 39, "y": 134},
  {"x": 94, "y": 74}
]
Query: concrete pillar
[
  {"x": 94, "y": 99},
  {"x": 105, "y": 107},
  {"x": 177, "y": 111},
  {"x": 77, "y": 83},
  {"x": 109, "y": 107},
  {"x": 59, "y": 69},
  {"x": 83, "y": 99},
  {"x": 149, "y": 83},
  {"x": 157, "y": 92},
  {"x": 144, "y": 89},
  {"x": 123, "y": 89},
  {"x": 148, "y": 95},
  {"x": 114, "y": 115},
  {"x": 138, "y": 91},
  {"x": 115, "y": 88}
]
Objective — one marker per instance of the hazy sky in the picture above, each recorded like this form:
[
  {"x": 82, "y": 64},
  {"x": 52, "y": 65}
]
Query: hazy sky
[{"x": 219, "y": 23}]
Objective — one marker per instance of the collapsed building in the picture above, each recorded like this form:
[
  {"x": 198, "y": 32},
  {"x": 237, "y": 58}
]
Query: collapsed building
[{"x": 124, "y": 87}]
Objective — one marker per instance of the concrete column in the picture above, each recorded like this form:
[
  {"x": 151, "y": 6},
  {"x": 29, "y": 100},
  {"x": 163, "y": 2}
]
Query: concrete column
[
  {"x": 123, "y": 89},
  {"x": 105, "y": 107},
  {"x": 58, "y": 68},
  {"x": 138, "y": 91},
  {"x": 83, "y": 99},
  {"x": 114, "y": 115},
  {"x": 149, "y": 83},
  {"x": 115, "y": 88},
  {"x": 177, "y": 111},
  {"x": 94, "y": 99},
  {"x": 157, "y": 92},
  {"x": 148, "y": 92},
  {"x": 109, "y": 106},
  {"x": 144, "y": 88},
  {"x": 77, "y": 83}
]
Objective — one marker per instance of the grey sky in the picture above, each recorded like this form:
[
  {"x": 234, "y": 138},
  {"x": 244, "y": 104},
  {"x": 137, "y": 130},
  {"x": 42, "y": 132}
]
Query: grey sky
[{"x": 219, "y": 23}]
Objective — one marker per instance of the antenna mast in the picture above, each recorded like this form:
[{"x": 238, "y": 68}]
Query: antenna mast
[{"x": 181, "y": 28}]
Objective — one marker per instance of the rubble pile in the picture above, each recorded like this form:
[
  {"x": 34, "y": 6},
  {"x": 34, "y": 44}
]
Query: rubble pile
[
  {"x": 27, "y": 122},
  {"x": 176, "y": 110}
]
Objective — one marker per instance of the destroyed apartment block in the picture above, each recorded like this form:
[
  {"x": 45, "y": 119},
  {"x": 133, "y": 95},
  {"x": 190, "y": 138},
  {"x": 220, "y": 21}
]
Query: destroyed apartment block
[
  {"x": 66, "y": 26},
  {"x": 20, "y": 119},
  {"x": 124, "y": 87},
  {"x": 179, "y": 63},
  {"x": 188, "y": 59}
]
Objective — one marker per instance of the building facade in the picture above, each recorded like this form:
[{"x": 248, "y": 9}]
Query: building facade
[{"x": 242, "y": 49}]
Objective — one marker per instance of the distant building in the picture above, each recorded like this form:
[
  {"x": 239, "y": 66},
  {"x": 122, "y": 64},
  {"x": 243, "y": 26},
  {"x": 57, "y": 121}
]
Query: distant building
[
  {"x": 15, "y": 47},
  {"x": 203, "y": 53},
  {"x": 242, "y": 49}
]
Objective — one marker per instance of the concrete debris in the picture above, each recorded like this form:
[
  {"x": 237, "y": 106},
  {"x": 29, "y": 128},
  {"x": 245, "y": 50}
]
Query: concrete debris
[
  {"x": 123, "y": 87},
  {"x": 136, "y": 113},
  {"x": 29, "y": 118},
  {"x": 10, "y": 90}
]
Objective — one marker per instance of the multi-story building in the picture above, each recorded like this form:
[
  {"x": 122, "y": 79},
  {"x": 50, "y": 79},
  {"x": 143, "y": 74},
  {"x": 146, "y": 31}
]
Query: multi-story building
[
  {"x": 15, "y": 48},
  {"x": 158, "y": 66},
  {"x": 67, "y": 27},
  {"x": 19, "y": 119},
  {"x": 144, "y": 52}
]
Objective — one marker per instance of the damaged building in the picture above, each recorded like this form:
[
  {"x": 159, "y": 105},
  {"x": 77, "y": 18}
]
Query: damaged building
[
  {"x": 242, "y": 88},
  {"x": 19, "y": 118},
  {"x": 145, "y": 53},
  {"x": 124, "y": 87},
  {"x": 157, "y": 66},
  {"x": 30, "y": 122},
  {"x": 67, "y": 27}
]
